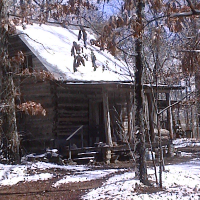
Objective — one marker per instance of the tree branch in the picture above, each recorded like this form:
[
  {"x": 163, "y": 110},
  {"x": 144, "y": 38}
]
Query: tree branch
[
  {"x": 175, "y": 103},
  {"x": 190, "y": 5},
  {"x": 195, "y": 51}
]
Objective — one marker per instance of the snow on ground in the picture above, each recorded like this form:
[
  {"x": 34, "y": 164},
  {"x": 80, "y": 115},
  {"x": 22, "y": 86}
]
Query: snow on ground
[
  {"x": 117, "y": 187},
  {"x": 180, "y": 181},
  {"x": 43, "y": 165},
  {"x": 186, "y": 142},
  {"x": 86, "y": 176},
  {"x": 13, "y": 174}
]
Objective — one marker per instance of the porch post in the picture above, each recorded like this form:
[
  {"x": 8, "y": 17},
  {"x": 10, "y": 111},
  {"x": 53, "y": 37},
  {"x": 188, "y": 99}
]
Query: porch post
[
  {"x": 169, "y": 115},
  {"x": 130, "y": 116},
  {"x": 151, "y": 115},
  {"x": 107, "y": 118}
]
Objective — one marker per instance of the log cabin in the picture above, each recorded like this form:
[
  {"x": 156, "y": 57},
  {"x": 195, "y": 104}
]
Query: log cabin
[{"x": 89, "y": 101}]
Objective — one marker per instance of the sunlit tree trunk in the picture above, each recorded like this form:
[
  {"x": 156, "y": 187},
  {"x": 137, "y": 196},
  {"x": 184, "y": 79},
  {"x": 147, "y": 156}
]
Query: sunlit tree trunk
[{"x": 9, "y": 132}]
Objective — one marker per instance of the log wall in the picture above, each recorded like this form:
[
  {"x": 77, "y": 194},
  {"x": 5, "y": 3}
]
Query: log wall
[
  {"x": 82, "y": 104},
  {"x": 36, "y": 130},
  {"x": 72, "y": 111}
]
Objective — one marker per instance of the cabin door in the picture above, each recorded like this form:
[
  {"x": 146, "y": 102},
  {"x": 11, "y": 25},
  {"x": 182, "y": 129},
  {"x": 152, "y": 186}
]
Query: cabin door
[{"x": 96, "y": 123}]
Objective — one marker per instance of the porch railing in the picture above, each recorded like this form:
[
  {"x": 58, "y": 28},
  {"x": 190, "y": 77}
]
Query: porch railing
[{"x": 71, "y": 136}]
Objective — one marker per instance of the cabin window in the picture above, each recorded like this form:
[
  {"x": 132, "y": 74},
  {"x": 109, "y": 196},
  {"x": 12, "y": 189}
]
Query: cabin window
[{"x": 28, "y": 63}]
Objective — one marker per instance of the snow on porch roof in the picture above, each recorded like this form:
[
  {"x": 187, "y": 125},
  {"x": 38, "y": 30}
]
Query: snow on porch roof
[{"x": 52, "y": 46}]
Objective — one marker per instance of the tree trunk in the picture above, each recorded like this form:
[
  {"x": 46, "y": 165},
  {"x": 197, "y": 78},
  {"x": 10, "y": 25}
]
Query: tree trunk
[
  {"x": 139, "y": 115},
  {"x": 197, "y": 85},
  {"x": 10, "y": 137}
]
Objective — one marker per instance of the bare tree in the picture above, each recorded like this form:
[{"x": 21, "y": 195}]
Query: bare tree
[{"x": 174, "y": 17}]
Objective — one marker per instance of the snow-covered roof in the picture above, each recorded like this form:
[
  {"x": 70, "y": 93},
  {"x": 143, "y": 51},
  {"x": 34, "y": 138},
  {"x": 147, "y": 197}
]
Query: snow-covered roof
[{"x": 52, "y": 46}]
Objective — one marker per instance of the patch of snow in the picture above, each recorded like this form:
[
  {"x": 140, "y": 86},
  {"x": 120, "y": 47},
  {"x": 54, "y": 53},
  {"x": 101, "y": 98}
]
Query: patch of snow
[
  {"x": 186, "y": 142},
  {"x": 43, "y": 165},
  {"x": 85, "y": 176},
  {"x": 184, "y": 154},
  {"x": 13, "y": 174},
  {"x": 180, "y": 181},
  {"x": 14, "y": 179},
  {"x": 117, "y": 187}
]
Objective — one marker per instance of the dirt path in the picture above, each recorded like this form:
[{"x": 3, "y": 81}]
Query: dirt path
[{"x": 44, "y": 190}]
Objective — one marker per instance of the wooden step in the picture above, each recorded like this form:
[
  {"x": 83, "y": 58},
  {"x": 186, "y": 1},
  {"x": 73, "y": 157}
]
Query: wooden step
[
  {"x": 84, "y": 160},
  {"x": 87, "y": 153}
]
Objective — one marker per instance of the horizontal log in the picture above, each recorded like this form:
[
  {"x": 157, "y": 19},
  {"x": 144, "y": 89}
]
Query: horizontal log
[
  {"x": 39, "y": 120},
  {"x": 78, "y": 90},
  {"x": 64, "y": 125},
  {"x": 38, "y": 132},
  {"x": 61, "y": 100},
  {"x": 41, "y": 95},
  {"x": 80, "y": 96},
  {"x": 30, "y": 82},
  {"x": 69, "y": 127},
  {"x": 35, "y": 92},
  {"x": 63, "y": 133},
  {"x": 47, "y": 128},
  {"x": 72, "y": 112},
  {"x": 72, "y": 116},
  {"x": 79, "y": 112},
  {"x": 65, "y": 105},
  {"x": 47, "y": 100},
  {"x": 72, "y": 119},
  {"x": 80, "y": 87}
]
